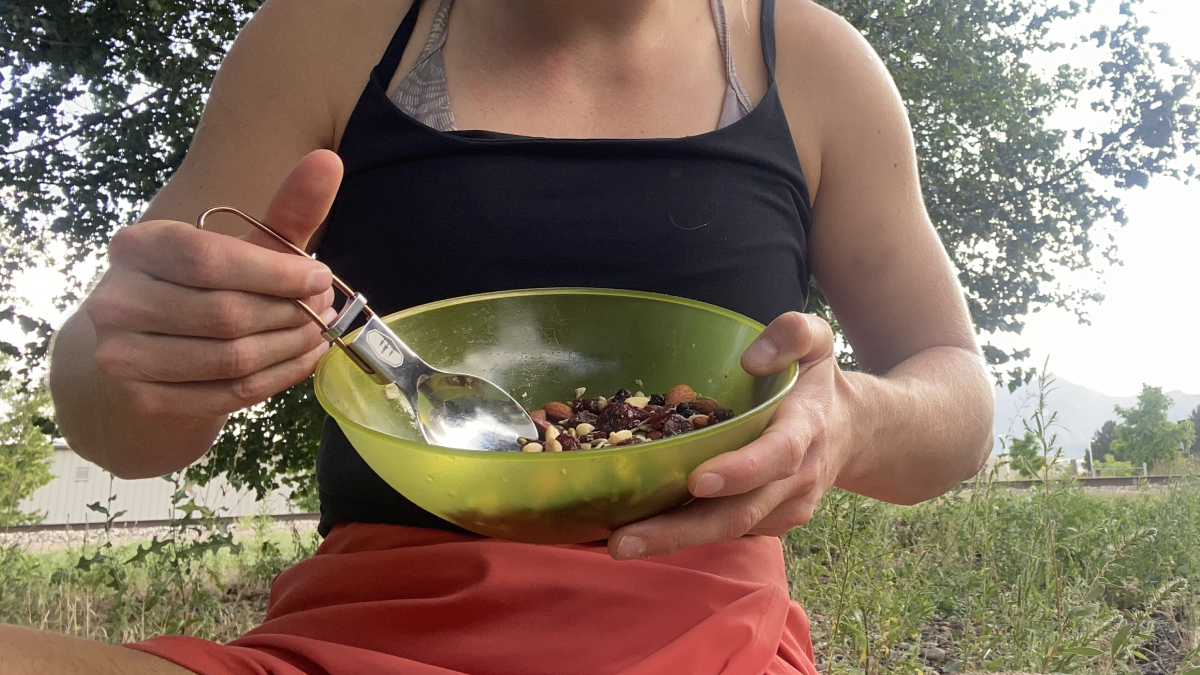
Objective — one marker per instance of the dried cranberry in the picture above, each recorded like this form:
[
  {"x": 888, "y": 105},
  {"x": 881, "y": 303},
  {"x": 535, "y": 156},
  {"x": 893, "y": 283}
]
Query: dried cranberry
[
  {"x": 585, "y": 404},
  {"x": 721, "y": 415},
  {"x": 658, "y": 399},
  {"x": 675, "y": 425},
  {"x": 621, "y": 395},
  {"x": 569, "y": 442},
  {"x": 619, "y": 416},
  {"x": 632, "y": 440},
  {"x": 658, "y": 415},
  {"x": 686, "y": 409}
]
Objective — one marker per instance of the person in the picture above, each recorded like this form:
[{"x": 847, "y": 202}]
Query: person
[{"x": 435, "y": 149}]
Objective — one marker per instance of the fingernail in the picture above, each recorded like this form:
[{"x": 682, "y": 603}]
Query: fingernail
[
  {"x": 762, "y": 352},
  {"x": 709, "y": 485},
  {"x": 328, "y": 315},
  {"x": 630, "y": 548},
  {"x": 319, "y": 280}
]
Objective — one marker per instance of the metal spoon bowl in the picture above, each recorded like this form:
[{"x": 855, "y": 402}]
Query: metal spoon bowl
[{"x": 453, "y": 410}]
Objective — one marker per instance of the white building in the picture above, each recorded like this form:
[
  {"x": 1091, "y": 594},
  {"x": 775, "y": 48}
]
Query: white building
[{"x": 78, "y": 482}]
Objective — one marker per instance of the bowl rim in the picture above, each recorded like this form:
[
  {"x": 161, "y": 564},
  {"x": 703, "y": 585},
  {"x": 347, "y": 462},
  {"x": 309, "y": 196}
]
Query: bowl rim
[{"x": 626, "y": 451}]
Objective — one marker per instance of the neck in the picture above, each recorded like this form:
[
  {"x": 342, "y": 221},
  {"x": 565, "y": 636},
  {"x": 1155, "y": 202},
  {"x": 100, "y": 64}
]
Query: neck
[{"x": 587, "y": 20}]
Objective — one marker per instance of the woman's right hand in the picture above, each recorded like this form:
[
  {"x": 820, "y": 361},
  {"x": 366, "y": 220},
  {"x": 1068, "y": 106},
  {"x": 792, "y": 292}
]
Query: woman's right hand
[{"x": 196, "y": 324}]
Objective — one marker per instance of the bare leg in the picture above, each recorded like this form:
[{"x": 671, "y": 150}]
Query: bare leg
[{"x": 24, "y": 651}]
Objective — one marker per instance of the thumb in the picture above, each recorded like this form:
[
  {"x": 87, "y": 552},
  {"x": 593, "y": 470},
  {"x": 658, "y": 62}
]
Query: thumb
[
  {"x": 302, "y": 201},
  {"x": 791, "y": 337}
]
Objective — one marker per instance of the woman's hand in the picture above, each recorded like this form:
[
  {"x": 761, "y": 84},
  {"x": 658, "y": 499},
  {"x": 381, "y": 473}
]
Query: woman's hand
[
  {"x": 774, "y": 483},
  {"x": 195, "y": 325}
]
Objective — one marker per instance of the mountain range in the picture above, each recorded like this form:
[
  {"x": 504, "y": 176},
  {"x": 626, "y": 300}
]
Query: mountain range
[{"x": 1081, "y": 412}]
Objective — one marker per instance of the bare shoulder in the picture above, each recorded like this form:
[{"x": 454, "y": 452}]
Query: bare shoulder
[
  {"x": 286, "y": 87},
  {"x": 831, "y": 81}
]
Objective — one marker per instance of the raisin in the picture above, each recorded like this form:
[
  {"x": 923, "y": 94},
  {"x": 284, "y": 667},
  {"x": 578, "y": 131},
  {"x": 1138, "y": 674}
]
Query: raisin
[
  {"x": 721, "y": 415},
  {"x": 657, "y": 399},
  {"x": 593, "y": 436},
  {"x": 675, "y": 425},
  {"x": 632, "y": 440},
  {"x": 582, "y": 417},
  {"x": 585, "y": 405},
  {"x": 569, "y": 442},
  {"x": 619, "y": 416},
  {"x": 686, "y": 409},
  {"x": 620, "y": 396}
]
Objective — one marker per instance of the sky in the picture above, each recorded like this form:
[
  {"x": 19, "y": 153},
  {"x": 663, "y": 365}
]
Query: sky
[{"x": 1146, "y": 331}]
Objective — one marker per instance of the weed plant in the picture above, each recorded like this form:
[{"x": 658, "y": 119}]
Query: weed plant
[{"x": 1048, "y": 580}]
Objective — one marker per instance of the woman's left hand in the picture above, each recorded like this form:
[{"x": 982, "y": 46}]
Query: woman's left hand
[{"x": 774, "y": 483}]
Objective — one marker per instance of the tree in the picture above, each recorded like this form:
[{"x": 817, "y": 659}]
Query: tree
[
  {"x": 100, "y": 98},
  {"x": 1026, "y": 456},
  {"x": 1101, "y": 444},
  {"x": 1145, "y": 435},
  {"x": 1194, "y": 449},
  {"x": 25, "y": 451}
]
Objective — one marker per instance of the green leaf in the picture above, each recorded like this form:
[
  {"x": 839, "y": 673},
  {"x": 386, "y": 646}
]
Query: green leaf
[
  {"x": 1082, "y": 651},
  {"x": 1120, "y": 639}
]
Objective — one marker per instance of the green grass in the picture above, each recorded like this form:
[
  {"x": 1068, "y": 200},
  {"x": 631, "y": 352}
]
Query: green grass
[{"x": 1047, "y": 580}]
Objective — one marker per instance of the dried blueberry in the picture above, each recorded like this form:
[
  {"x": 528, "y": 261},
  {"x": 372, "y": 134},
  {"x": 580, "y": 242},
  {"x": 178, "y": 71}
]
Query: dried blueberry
[
  {"x": 686, "y": 409},
  {"x": 721, "y": 415},
  {"x": 620, "y": 396},
  {"x": 675, "y": 425},
  {"x": 657, "y": 399}
]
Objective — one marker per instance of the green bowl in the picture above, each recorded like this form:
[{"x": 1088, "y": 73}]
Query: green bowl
[{"x": 540, "y": 345}]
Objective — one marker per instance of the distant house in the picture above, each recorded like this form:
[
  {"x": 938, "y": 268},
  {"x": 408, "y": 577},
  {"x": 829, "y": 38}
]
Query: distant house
[{"x": 77, "y": 483}]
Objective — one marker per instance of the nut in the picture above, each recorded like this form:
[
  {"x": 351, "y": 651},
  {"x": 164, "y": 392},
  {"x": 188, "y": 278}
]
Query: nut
[
  {"x": 539, "y": 421},
  {"x": 552, "y": 445},
  {"x": 557, "y": 412},
  {"x": 654, "y": 435},
  {"x": 706, "y": 406},
  {"x": 531, "y": 447},
  {"x": 579, "y": 392},
  {"x": 699, "y": 421},
  {"x": 391, "y": 391},
  {"x": 584, "y": 429},
  {"x": 618, "y": 436},
  {"x": 638, "y": 402},
  {"x": 601, "y": 403},
  {"x": 680, "y": 393}
]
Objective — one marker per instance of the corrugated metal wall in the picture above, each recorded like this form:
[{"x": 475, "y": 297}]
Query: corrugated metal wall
[{"x": 78, "y": 483}]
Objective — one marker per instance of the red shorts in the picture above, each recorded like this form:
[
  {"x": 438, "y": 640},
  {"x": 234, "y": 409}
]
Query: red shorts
[{"x": 390, "y": 600}]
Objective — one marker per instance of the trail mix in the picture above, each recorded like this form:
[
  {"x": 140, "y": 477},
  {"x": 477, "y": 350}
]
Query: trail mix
[{"x": 625, "y": 419}]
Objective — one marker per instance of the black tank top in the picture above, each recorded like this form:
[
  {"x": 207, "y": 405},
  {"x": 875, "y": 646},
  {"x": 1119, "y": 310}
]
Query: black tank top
[{"x": 424, "y": 215}]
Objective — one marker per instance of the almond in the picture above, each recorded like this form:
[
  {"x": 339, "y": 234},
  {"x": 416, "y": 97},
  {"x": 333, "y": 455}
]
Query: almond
[
  {"x": 680, "y": 393},
  {"x": 706, "y": 406},
  {"x": 557, "y": 412},
  {"x": 698, "y": 421},
  {"x": 539, "y": 421}
]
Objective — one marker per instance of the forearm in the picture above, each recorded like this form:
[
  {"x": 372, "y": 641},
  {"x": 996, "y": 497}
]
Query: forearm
[
  {"x": 920, "y": 429},
  {"x": 100, "y": 423}
]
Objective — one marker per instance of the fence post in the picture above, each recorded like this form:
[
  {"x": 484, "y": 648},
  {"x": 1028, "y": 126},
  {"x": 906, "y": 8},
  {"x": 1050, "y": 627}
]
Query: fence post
[{"x": 1145, "y": 473}]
